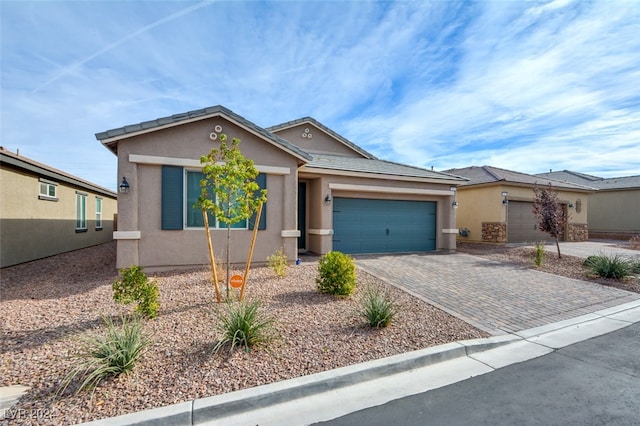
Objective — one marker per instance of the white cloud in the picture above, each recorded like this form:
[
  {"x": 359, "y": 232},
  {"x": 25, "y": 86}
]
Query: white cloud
[{"x": 428, "y": 83}]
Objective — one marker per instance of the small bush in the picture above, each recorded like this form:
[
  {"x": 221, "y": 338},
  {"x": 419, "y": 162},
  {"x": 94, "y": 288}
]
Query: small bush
[
  {"x": 242, "y": 324},
  {"x": 377, "y": 308},
  {"x": 114, "y": 353},
  {"x": 539, "y": 253},
  {"x": 337, "y": 274},
  {"x": 278, "y": 262},
  {"x": 604, "y": 266},
  {"x": 134, "y": 286},
  {"x": 634, "y": 242}
]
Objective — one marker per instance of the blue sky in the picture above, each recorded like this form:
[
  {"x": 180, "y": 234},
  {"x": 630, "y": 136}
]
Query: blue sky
[{"x": 527, "y": 86}]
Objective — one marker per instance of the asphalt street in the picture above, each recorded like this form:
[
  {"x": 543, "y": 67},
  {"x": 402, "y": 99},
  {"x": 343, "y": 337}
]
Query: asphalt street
[{"x": 595, "y": 382}]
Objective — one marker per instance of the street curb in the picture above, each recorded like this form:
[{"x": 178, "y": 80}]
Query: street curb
[{"x": 233, "y": 403}]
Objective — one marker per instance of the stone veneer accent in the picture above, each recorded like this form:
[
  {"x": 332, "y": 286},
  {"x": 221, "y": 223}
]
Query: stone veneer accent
[
  {"x": 494, "y": 232},
  {"x": 578, "y": 232}
]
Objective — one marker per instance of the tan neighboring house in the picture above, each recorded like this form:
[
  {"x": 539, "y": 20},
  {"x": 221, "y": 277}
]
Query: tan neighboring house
[
  {"x": 324, "y": 193},
  {"x": 496, "y": 206},
  {"x": 614, "y": 208},
  {"x": 45, "y": 211}
]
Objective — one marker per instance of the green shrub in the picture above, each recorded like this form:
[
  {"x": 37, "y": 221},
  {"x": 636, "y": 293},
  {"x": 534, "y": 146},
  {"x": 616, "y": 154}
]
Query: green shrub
[
  {"x": 615, "y": 266},
  {"x": 134, "y": 286},
  {"x": 114, "y": 353},
  {"x": 377, "y": 308},
  {"x": 337, "y": 274},
  {"x": 278, "y": 262},
  {"x": 242, "y": 324},
  {"x": 539, "y": 253}
]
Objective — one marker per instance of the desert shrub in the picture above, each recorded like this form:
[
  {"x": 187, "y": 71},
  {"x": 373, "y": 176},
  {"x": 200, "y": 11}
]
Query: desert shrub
[
  {"x": 377, "y": 308},
  {"x": 278, "y": 262},
  {"x": 242, "y": 324},
  {"x": 337, "y": 274},
  {"x": 539, "y": 253},
  {"x": 615, "y": 266},
  {"x": 135, "y": 286},
  {"x": 111, "y": 354}
]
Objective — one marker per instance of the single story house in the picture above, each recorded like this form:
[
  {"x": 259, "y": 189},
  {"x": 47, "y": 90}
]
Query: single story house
[
  {"x": 324, "y": 193},
  {"x": 45, "y": 211},
  {"x": 613, "y": 209},
  {"x": 496, "y": 206}
]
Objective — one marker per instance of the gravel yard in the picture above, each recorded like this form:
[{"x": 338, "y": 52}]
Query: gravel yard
[{"x": 48, "y": 304}]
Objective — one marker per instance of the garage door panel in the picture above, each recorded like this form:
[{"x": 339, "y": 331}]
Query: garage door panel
[
  {"x": 521, "y": 224},
  {"x": 382, "y": 226}
]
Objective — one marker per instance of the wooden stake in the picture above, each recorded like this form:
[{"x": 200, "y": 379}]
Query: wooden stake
[
  {"x": 253, "y": 243},
  {"x": 212, "y": 258}
]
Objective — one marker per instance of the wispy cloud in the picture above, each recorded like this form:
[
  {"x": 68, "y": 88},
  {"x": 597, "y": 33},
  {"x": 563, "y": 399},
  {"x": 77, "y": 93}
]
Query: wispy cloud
[{"x": 521, "y": 85}]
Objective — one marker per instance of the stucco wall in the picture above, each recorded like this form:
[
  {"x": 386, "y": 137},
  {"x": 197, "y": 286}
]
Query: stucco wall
[
  {"x": 33, "y": 228},
  {"x": 483, "y": 204},
  {"x": 319, "y": 142},
  {"x": 140, "y": 209},
  {"x": 615, "y": 212}
]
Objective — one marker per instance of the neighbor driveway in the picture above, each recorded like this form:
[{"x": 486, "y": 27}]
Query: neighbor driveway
[
  {"x": 597, "y": 247},
  {"x": 495, "y": 297}
]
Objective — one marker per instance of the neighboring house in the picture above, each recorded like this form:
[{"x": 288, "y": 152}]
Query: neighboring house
[
  {"x": 44, "y": 211},
  {"x": 613, "y": 210},
  {"x": 324, "y": 193},
  {"x": 496, "y": 206}
]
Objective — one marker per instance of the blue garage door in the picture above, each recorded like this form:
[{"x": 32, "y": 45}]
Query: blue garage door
[{"x": 383, "y": 226}]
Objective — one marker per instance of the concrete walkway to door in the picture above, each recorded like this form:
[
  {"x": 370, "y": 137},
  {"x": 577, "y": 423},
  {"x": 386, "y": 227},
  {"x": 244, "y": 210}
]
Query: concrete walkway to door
[{"x": 495, "y": 297}]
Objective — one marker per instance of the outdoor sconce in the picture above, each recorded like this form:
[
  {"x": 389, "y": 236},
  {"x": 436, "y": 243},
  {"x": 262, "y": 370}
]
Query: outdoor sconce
[
  {"x": 327, "y": 199},
  {"x": 124, "y": 186},
  {"x": 504, "y": 197},
  {"x": 455, "y": 202},
  {"x": 570, "y": 205}
]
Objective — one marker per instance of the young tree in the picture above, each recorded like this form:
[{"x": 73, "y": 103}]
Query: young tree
[
  {"x": 229, "y": 192},
  {"x": 549, "y": 213}
]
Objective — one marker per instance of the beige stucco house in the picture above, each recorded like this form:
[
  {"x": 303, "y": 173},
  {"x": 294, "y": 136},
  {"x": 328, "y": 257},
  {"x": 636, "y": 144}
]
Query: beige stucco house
[
  {"x": 496, "y": 206},
  {"x": 613, "y": 209},
  {"x": 324, "y": 193},
  {"x": 45, "y": 211}
]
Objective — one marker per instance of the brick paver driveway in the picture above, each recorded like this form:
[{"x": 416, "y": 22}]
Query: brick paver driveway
[{"x": 495, "y": 297}]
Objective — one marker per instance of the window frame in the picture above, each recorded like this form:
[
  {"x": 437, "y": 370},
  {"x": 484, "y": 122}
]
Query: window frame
[
  {"x": 187, "y": 207},
  {"x": 99, "y": 225},
  {"x": 81, "y": 212},
  {"x": 48, "y": 186}
]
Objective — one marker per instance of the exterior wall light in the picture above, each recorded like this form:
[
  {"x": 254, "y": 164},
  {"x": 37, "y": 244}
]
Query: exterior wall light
[
  {"x": 124, "y": 186},
  {"x": 504, "y": 197},
  {"x": 327, "y": 199},
  {"x": 455, "y": 204}
]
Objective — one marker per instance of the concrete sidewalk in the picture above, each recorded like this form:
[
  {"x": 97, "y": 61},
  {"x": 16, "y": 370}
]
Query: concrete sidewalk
[{"x": 331, "y": 394}]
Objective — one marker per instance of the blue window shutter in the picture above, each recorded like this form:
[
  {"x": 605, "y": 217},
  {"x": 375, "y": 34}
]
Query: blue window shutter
[
  {"x": 172, "y": 197},
  {"x": 261, "y": 180}
]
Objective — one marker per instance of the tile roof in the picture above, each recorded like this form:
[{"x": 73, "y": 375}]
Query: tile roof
[
  {"x": 25, "y": 163},
  {"x": 325, "y": 129},
  {"x": 375, "y": 166},
  {"x": 623, "y": 182},
  {"x": 199, "y": 114},
  {"x": 488, "y": 174}
]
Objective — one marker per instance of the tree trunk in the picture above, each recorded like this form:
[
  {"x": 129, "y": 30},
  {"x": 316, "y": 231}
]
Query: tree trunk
[
  {"x": 212, "y": 258},
  {"x": 558, "y": 247}
]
